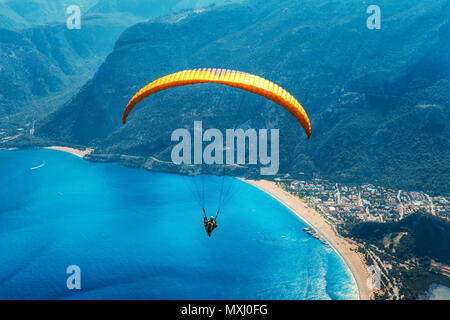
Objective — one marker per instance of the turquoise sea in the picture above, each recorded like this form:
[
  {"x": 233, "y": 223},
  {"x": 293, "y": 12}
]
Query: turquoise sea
[{"x": 139, "y": 235}]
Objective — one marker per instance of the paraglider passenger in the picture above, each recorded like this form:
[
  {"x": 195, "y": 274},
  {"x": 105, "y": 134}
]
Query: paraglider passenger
[{"x": 210, "y": 225}]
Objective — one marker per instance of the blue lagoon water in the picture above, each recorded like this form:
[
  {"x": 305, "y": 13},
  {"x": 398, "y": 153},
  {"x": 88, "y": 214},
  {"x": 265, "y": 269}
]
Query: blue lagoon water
[{"x": 139, "y": 235}]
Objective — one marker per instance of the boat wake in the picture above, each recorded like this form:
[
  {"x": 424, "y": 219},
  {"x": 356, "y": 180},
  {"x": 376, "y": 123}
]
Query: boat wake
[{"x": 38, "y": 167}]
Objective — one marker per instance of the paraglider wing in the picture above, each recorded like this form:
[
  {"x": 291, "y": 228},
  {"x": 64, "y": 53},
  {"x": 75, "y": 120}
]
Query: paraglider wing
[{"x": 237, "y": 79}]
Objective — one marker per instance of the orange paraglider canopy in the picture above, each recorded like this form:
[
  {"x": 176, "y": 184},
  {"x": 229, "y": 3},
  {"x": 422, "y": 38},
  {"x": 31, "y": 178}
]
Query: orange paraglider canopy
[{"x": 237, "y": 79}]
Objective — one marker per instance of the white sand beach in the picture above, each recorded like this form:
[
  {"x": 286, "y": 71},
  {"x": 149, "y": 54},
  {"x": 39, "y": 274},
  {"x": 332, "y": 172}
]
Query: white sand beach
[
  {"x": 345, "y": 248},
  {"x": 76, "y": 152}
]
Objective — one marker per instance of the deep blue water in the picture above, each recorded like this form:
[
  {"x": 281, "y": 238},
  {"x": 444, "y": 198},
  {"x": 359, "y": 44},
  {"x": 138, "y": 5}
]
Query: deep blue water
[{"x": 137, "y": 234}]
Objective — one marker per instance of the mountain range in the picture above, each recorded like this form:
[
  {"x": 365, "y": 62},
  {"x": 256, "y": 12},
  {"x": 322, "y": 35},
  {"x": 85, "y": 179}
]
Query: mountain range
[
  {"x": 44, "y": 63},
  {"x": 378, "y": 100}
]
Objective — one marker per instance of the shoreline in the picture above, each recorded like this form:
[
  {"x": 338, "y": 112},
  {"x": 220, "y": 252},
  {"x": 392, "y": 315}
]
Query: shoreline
[
  {"x": 341, "y": 246},
  {"x": 76, "y": 152}
]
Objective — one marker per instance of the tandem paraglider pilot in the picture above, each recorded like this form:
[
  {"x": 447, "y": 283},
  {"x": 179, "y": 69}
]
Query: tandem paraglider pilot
[{"x": 210, "y": 224}]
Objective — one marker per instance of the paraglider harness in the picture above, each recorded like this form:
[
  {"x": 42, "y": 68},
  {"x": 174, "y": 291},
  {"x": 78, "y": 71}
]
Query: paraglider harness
[{"x": 210, "y": 224}]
